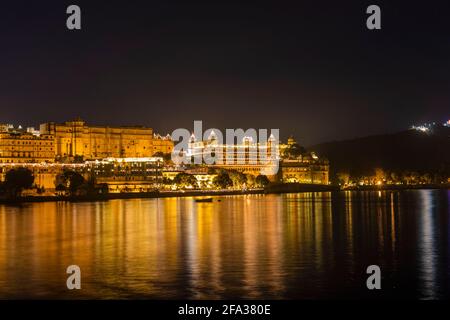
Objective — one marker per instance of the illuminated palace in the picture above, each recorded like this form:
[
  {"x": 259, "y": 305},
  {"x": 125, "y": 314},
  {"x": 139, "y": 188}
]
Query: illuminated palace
[
  {"x": 249, "y": 157},
  {"x": 132, "y": 158},
  {"x": 76, "y": 139},
  {"x": 300, "y": 166},
  {"x": 23, "y": 146},
  {"x": 126, "y": 153},
  {"x": 280, "y": 162}
]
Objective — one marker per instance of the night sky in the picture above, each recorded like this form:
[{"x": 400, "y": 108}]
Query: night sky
[{"x": 311, "y": 68}]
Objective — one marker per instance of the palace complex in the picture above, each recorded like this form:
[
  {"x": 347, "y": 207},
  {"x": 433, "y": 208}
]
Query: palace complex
[{"x": 134, "y": 158}]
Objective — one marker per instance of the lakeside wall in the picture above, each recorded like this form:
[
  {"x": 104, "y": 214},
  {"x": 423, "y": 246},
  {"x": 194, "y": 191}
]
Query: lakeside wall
[
  {"x": 271, "y": 189},
  {"x": 398, "y": 187},
  {"x": 133, "y": 195}
]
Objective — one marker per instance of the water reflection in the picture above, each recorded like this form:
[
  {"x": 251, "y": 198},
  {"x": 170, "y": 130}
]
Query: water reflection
[
  {"x": 427, "y": 254},
  {"x": 310, "y": 245}
]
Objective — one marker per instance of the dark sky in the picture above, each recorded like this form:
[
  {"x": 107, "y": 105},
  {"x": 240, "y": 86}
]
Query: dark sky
[{"x": 310, "y": 68}]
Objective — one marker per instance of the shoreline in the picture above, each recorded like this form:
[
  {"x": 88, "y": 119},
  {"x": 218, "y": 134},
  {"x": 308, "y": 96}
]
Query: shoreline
[
  {"x": 398, "y": 187},
  {"x": 134, "y": 195},
  {"x": 273, "y": 189}
]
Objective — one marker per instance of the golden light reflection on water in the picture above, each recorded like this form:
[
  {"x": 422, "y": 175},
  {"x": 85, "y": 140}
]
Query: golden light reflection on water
[{"x": 258, "y": 246}]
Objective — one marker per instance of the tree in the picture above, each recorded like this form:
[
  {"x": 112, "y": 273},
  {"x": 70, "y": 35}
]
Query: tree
[
  {"x": 16, "y": 180},
  {"x": 294, "y": 151},
  {"x": 394, "y": 177},
  {"x": 426, "y": 178},
  {"x": 343, "y": 178},
  {"x": 250, "y": 180},
  {"x": 262, "y": 181},
  {"x": 222, "y": 180},
  {"x": 61, "y": 183},
  {"x": 61, "y": 188},
  {"x": 238, "y": 178},
  {"x": 2, "y": 188},
  {"x": 71, "y": 181},
  {"x": 379, "y": 175},
  {"x": 185, "y": 180},
  {"x": 103, "y": 188}
]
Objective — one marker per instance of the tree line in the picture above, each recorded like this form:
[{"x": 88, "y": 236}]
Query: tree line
[
  {"x": 73, "y": 183},
  {"x": 69, "y": 183},
  {"x": 224, "y": 179},
  {"x": 381, "y": 176}
]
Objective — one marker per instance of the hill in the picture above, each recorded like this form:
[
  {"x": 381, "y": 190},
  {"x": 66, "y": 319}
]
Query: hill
[{"x": 411, "y": 150}]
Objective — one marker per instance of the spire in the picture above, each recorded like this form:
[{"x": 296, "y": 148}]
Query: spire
[{"x": 212, "y": 136}]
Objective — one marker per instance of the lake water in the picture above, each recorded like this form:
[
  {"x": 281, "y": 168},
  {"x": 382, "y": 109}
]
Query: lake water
[{"x": 290, "y": 246}]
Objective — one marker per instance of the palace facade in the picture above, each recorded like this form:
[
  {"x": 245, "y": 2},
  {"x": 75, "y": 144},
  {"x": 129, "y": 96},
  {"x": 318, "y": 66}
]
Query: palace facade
[
  {"x": 162, "y": 144},
  {"x": 120, "y": 175},
  {"x": 284, "y": 162},
  {"x": 76, "y": 139},
  {"x": 127, "y": 174},
  {"x": 20, "y": 146},
  {"x": 315, "y": 171},
  {"x": 124, "y": 157},
  {"x": 300, "y": 166},
  {"x": 248, "y": 156}
]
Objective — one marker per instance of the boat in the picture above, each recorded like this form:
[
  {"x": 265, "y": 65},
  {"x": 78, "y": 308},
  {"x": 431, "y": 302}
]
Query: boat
[{"x": 204, "y": 200}]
